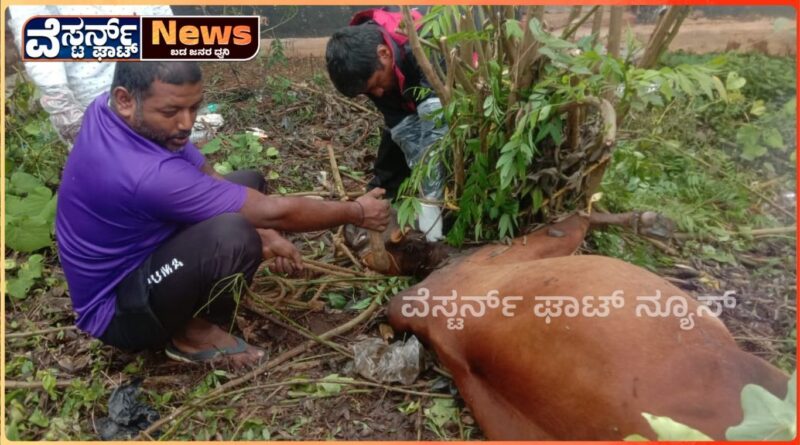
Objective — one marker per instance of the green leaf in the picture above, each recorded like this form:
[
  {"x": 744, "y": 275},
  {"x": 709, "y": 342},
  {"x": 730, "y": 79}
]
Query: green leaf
[
  {"x": 212, "y": 146},
  {"x": 544, "y": 113},
  {"x": 272, "y": 152},
  {"x": 38, "y": 419},
  {"x": 27, "y": 233},
  {"x": 22, "y": 183},
  {"x": 223, "y": 168},
  {"x": 329, "y": 388},
  {"x": 409, "y": 408},
  {"x": 685, "y": 84},
  {"x": 790, "y": 107},
  {"x": 752, "y": 152},
  {"x": 33, "y": 128},
  {"x": 766, "y": 417},
  {"x": 513, "y": 29},
  {"x": 636, "y": 438},
  {"x": 49, "y": 383},
  {"x": 758, "y": 108},
  {"x": 734, "y": 82},
  {"x": 723, "y": 94},
  {"x": 331, "y": 384},
  {"x": 705, "y": 83},
  {"x": 361, "y": 304},
  {"x": 441, "y": 412},
  {"x": 773, "y": 138},
  {"x": 33, "y": 204},
  {"x": 488, "y": 105},
  {"x": 546, "y": 38},
  {"x": 337, "y": 301},
  {"x": 506, "y": 226},
  {"x": 537, "y": 199},
  {"x": 670, "y": 430}
]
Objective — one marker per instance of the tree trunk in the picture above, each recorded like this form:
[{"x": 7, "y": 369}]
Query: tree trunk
[
  {"x": 663, "y": 34},
  {"x": 615, "y": 31},
  {"x": 597, "y": 23}
]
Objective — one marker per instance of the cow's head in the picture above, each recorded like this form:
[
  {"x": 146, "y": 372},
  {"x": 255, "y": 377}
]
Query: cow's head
[{"x": 409, "y": 252}]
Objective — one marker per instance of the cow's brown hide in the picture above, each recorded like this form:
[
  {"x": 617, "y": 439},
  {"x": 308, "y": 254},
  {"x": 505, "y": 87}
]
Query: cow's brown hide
[{"x": 582, "y": 378}]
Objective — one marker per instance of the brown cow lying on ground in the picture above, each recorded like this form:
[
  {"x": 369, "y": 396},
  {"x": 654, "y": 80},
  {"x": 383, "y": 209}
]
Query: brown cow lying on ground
[{"x": 577, "y": 375}]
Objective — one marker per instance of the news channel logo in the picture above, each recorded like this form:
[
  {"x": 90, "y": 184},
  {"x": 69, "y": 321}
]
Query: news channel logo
[{"x": 120, "y": 38}]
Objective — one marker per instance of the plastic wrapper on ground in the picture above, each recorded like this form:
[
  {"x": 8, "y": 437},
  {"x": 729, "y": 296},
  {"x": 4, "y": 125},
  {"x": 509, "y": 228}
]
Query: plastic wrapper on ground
[{"x": 396, "y": 362}]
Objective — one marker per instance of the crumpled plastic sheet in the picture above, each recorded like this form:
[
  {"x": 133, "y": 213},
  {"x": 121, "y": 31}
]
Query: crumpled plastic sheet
[
  {"x": 415, "y": 135},
  {"x": 206, "y": 127},
  {"x": 127, "y": 416},
  {"x": 396, "y": 362}
]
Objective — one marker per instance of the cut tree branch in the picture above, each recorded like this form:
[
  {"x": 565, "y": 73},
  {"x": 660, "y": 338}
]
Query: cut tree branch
[
  {"x": 663, "y": 34},
  {"x": 422, "y": 59},
  {"x": 569, "y": 32},
  {"x": 574, "y": 12}
]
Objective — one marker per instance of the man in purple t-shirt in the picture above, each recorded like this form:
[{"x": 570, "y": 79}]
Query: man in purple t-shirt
[{"x": 149, "y": 235}]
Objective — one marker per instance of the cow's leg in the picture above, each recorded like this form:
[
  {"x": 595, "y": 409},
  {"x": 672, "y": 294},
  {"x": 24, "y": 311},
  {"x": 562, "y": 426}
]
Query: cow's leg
[
  {"x": 499, "y": 420},
  {"x": 646, "y": 223}
]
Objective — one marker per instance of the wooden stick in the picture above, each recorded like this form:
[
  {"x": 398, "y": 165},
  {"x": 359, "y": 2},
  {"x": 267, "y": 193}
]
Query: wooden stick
[
  {"x": 332, "y": 268},
  {"x": 13, "y": 384},
  {"x": 262, "y": 369},
  {"x": 337, "y": 178},
  {"x": 40, "y": 332},
  {"x": 337, "y": 240},
  {"x": 379, "y": 253}
]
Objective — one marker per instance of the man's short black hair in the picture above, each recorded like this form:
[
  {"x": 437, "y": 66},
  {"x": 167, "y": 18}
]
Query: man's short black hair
[
  {"x": 137, "y": 77},
  {"x": 352, "y": 57}
]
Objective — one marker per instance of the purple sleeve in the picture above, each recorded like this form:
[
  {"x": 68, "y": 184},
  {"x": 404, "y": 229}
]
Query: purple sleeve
[
  {"x": 192, "y": 154},
  {"x": 177, "y": 191}
]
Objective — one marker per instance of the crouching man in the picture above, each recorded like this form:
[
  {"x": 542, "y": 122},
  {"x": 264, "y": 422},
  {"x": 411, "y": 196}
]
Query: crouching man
[{"x": 145, "y": 228}]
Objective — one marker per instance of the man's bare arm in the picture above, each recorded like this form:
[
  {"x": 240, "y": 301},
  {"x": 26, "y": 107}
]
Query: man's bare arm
[{"x": 305, "y": 215}]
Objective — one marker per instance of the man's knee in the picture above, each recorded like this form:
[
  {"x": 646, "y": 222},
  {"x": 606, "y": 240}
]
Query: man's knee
[
  {"x": 249, "y": 178},
  {"x": 232, "y": 232}
]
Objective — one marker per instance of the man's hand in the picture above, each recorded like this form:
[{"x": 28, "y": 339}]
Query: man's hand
[
  {"x": 287, "y": 257},
  {"x": 375, "y": 210}
]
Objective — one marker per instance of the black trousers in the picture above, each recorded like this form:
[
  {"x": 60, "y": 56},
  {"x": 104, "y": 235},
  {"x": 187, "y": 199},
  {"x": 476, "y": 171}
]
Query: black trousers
[
  {"x": 158, "y": 298},
  {"x": 390, "y": 166}
]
